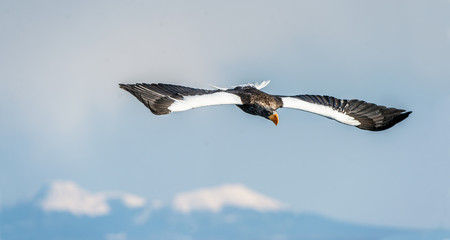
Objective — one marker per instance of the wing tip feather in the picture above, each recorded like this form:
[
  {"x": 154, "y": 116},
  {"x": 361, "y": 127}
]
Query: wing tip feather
[{"x": 386, "y": 124}]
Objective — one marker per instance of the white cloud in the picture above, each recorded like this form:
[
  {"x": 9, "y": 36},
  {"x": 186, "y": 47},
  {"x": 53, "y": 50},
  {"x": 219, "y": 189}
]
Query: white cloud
[
  {"x": 68, "y": 196},
  {"x": 133, "y": 201},
  {"x": 129, "y": 200},
  {"x": 215, "y": 198}
]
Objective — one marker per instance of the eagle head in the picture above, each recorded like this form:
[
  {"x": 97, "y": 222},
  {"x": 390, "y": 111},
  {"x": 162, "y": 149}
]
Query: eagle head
[
  {"x": 259, "y": 110},
  {"x": 274, "y": 118}
]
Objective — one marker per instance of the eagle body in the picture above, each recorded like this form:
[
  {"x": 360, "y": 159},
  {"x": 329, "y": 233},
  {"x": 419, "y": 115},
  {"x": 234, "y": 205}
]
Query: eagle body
[
  {"x": 257, "y": 102},
  {"x": 163, "y": 98}
]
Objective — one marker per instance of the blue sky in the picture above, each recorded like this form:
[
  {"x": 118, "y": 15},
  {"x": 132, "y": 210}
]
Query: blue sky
[{"x": 64, "y": 117}]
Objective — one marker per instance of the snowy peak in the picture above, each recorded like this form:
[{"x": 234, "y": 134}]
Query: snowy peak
[
  {"x": 68, "y": 196},
  {"x": 215, "y": 198}
]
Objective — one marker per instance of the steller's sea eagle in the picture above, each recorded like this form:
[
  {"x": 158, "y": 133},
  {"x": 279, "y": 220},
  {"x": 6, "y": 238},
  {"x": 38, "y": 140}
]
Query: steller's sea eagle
[{"x": 163, "y": 98}]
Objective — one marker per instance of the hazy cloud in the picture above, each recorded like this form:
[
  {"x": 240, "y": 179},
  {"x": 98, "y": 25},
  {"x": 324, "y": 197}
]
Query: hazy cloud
[{"x": 116, "y": 236}]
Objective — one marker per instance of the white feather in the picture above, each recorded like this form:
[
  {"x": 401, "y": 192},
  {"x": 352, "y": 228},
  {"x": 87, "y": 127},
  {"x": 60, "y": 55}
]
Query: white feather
[
  {"x": 218, "y": 88},
  {"x": 218, "y": 98},
  {"x": 326, "y": 111},
  {"x": 257, "y": 85}
]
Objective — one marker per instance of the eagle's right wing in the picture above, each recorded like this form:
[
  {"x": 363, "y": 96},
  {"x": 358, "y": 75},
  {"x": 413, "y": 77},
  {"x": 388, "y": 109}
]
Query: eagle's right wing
[{"x": 166, "y": 98}]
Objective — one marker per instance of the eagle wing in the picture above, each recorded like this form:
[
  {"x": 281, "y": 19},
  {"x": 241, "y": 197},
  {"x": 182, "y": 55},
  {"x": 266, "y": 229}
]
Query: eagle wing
[
  {"x": 364, "y": 115},
  {"x": 166, "y": 98}
]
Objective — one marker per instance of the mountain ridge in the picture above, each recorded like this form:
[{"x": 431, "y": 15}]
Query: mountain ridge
[{"x": 30, "y": 220}]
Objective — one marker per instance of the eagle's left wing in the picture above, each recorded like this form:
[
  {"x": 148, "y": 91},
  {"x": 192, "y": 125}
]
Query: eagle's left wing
[{"x": 364, "y": 115}]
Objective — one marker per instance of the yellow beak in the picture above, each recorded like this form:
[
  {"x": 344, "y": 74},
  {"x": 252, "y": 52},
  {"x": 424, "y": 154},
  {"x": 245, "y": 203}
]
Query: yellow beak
[{"x": 274, "y": 118}]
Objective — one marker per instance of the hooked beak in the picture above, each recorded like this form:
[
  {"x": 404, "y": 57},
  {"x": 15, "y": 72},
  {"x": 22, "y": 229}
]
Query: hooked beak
[{"x": 274, "y": 118}]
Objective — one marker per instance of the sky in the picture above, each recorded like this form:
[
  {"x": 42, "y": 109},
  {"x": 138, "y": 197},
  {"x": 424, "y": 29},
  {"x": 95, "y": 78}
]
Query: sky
[{"x": 63, "y": 116}]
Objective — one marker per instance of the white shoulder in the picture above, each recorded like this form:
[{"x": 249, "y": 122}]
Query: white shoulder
[{"x": 257, "y": 85}]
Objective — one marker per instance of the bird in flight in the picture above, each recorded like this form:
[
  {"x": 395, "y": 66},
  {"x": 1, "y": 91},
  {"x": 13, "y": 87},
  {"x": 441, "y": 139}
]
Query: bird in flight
[{"x": 163, "y": 98}]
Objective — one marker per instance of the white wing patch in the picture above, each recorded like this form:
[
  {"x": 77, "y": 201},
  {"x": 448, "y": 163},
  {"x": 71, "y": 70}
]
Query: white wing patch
[
  {"x": 325, "y": 111},
  {"x": 257, "y": 85},
  {"x": 218, "y": 98}
]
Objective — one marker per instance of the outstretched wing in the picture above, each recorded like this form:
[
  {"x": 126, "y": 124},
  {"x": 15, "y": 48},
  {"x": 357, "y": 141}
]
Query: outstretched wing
[
  {"x": 166, "y": 98},
  {"x": 367, "y": 116}
]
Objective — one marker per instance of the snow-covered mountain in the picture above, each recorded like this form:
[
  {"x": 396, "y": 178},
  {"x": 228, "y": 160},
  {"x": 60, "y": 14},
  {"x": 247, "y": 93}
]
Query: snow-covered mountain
[
  {"x": 64, "y": 210},
  {"x": 69, "y": 197},
  {"x": 232, "y": 195}
]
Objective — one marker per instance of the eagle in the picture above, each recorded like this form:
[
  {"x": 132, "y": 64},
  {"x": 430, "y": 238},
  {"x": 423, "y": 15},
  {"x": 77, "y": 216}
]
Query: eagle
[{"x": 163, "y": 98}]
